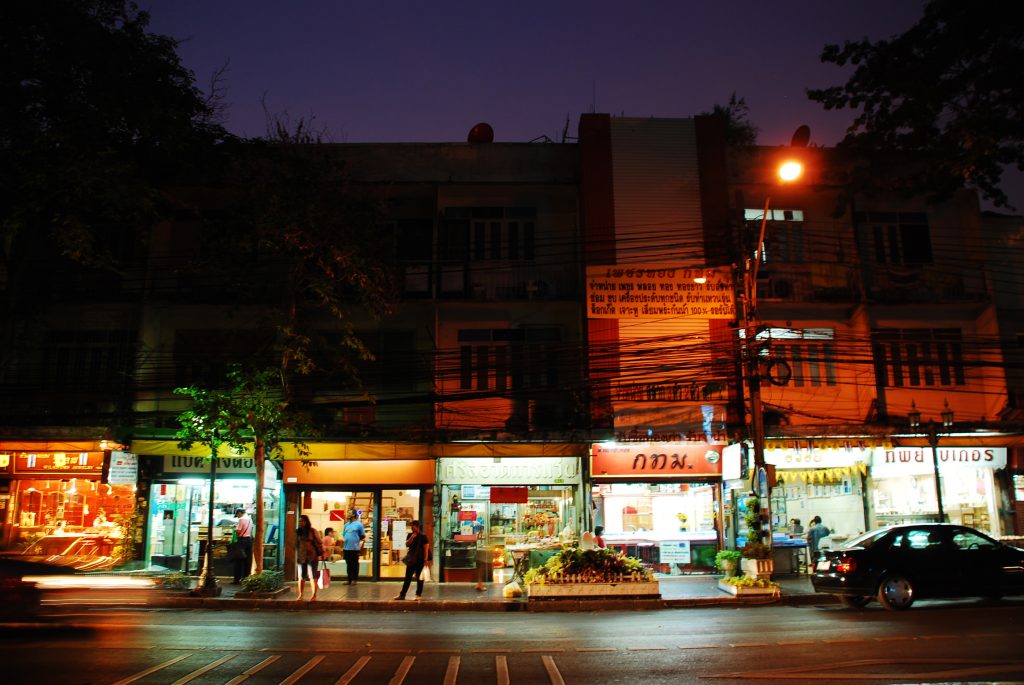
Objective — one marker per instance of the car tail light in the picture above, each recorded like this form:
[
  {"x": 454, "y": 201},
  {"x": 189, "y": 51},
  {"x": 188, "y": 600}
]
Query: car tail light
[{"x": 846, "y": 565}]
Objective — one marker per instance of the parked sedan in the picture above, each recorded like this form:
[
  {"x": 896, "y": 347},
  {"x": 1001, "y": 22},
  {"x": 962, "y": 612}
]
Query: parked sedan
[{"x": 899, "y": 564}]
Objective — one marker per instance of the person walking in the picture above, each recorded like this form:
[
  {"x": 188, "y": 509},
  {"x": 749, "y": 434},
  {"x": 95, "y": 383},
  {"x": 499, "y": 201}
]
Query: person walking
[
  {"x": 309, "y": 549},
  {"x": 353, "y": 537},
  {"x": 417, "y": 553},
  {"x": 243, "y": 533},
  {"x": 599, "y": 537},
  {"x": 815, "y": 533}
]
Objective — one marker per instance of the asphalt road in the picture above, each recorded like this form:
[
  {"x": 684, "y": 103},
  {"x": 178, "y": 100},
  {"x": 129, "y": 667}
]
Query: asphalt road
[{"x": 934, "y": 641}]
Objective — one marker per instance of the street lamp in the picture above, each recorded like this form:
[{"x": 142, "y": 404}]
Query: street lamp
[
  {"x": 788, "y": 171},
  {"x": 931, "y": 431}
]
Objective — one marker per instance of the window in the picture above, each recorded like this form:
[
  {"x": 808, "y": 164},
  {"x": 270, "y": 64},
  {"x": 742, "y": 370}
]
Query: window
[
  {"x": 965, "y": 539},
  {"x": 898, "y": 237},
  {"x": 97, "y": 360},
  {"x": 810, "y": 353},
  {"x": 489, "y": 233},
  {"x": 509, "y": 358},
  {"x": 783, "y": 236},
  {"x": 918, "y": 357}
]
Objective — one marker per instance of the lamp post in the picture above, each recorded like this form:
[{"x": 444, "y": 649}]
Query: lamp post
[
  {"x": 788, "y": 171},
  {"x": 931, "y": 431}
]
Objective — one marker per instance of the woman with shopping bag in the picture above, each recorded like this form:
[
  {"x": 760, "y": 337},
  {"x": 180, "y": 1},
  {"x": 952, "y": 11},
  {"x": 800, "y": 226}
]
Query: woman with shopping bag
[
  {"x": 417, "y": 555},
  {"x": 309, "y": 550}
]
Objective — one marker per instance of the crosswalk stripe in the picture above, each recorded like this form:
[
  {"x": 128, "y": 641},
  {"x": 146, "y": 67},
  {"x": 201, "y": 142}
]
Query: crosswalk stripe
[
  {"x": 403, "y": 670},
  {"x": 238, "y": 679},
  {"x": 451, "y": 674},
  {"x": 142, "y": 674},
  {"x": 306, "y": 668},
  {"x": 501, "y": 664},
  {"x": 351, "y": 673},
  {"x": 549, "y": 666},
  {"x": 205, "y": 669}
]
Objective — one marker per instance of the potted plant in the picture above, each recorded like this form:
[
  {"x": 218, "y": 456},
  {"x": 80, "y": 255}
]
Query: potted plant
[
  {"x": 727, "y": 561},
  {"x": 265, "y": 585},
  {"x": 746, "y": 585},
  {"x": 756, "y": 555}
]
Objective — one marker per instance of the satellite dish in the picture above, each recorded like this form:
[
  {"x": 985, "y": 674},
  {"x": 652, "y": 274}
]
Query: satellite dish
[
  {"x": 801, "y": 136},
  {"x": 481, "y": 133}
]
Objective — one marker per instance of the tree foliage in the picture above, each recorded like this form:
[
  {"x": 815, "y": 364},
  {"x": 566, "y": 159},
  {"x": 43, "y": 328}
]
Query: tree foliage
[
  {"x": 947, "y": 91},
  {"x": 739, "y": 130}
]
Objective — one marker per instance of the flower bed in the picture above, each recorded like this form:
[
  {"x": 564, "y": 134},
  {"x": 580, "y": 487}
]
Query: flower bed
[
  {"x": 747, "y": 585},
  {"x": 575, "y": 572}
]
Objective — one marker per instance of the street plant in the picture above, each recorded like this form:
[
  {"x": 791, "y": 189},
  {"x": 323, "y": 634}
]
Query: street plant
[{"x": 599, "y": 565}]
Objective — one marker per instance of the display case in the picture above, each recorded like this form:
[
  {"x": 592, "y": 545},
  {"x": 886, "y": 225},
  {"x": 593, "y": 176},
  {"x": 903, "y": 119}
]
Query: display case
[{"x": 459, "y": 559}]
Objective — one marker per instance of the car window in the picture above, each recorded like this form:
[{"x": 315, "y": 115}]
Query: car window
[
  {"x": 867, "y": 539},
  {"x": 965, "y": 539},
  {"x": 923, "y": 539}
]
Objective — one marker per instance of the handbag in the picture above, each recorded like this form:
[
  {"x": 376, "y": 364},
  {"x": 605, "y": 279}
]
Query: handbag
[
  {"x": 324, "y": 579},
  {"x": 425, "y": 574}
]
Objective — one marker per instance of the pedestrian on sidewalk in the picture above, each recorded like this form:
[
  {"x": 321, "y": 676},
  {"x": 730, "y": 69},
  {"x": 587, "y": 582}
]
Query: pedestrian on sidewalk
[
  {"x": 309, "y": 549},
  {"x": 417, "y": 553},
  {"x": 243, "y": 535},
  {"x": 353, "y": 535},
  {"x": 599, "y": 537},
  {"x": 815, "y": 533}
]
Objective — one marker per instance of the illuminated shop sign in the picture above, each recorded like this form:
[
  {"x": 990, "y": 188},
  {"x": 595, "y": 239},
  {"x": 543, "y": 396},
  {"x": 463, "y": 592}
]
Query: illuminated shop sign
[
  {"x": 54, "y": 463},
  {"x": 509, "y": 470},
  {"x": 658, "y": 291},
  {"x": 817, "y": 458},
  {"x": 183, "y": 463},
  {"x": 916, "y": 461},
  {"x": 655, "y": 460}
]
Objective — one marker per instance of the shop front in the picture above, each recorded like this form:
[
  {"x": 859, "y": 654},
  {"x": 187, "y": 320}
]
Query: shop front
[
  {"x": 385, "y": 495},
  {"x": 903, "y": 486},
  {"x": 179, "y": 509},
  {"x": 56, "y": 503},
  {"x": 659, "y": 501},
  {"x": 505, "y": 508}
]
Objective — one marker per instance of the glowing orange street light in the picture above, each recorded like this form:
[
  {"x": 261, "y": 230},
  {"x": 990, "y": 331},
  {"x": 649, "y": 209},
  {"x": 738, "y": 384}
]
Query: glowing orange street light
[{"x": 790, "y": 170}]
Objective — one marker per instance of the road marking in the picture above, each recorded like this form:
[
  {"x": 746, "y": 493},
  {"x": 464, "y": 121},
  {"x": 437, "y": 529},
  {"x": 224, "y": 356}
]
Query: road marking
[
  {"x": 501, "y": 666},
  {"x": 491, "y": 651},
  {"x": 403, "y": 670},
  {"x": 698, "y": 646},
  {"x": 748, "y": 644},
  {"x": 939, "y": 637},
  {"x": 351, "y": 673},
  {"x": 790, "y": 643},
  {"x": 969, "y": 667},
  {"x": 439, "y": 651},
  {"x": 142, "y": 674},
  {"x": 306, "y": 668},
  {"x": 646, "y": 649},
  {"x": 553, "y": 674},
  {"x": 253, "y": 671},
  {"x": 389, "y": 651},
  {"x": 451, "y": 674},
  {"x": 205, "y": 669}
]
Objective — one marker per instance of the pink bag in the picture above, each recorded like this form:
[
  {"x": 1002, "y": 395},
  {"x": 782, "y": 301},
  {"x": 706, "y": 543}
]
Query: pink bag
[{"x": 324, "y": 579}]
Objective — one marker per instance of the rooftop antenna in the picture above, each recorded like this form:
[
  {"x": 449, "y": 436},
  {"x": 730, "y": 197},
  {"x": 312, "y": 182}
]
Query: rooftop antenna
[{"x": 593, "y": 97}]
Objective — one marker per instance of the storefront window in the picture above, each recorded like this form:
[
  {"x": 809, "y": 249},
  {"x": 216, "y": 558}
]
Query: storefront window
[
  {"x": 670, "y": 526},
  {"x": 967, "y": 499}
]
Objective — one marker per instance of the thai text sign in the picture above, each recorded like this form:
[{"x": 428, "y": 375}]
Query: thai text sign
[
  {"x": 183, "y": 463},
  {"x": 79, "y": 464},
  {"x": 822, "y": 458},
  {"x": 675, "y": 552},
  {"x": 659, "y": 292},
  {"x": 643, "y": 460},
  {"x": 916, "y": 461},
  {"x": 509, "y": 470},
  {"x": 124, "y": 468}
]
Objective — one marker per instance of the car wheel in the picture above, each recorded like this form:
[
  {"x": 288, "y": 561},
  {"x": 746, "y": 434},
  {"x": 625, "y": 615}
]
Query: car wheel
[
  {"x": 854, "y": 601},
  {"x": 896, "y": 592}
]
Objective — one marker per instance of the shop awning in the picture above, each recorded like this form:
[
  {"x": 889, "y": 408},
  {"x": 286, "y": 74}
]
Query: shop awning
[{"x": 318, "y": 451}]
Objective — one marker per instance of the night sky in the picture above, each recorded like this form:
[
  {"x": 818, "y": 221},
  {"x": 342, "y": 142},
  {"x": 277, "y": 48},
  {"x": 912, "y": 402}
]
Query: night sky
[{"x": 427, "y": 72}]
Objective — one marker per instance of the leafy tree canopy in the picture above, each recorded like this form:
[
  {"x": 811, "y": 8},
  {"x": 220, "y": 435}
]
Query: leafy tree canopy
[
  {"x": 94, "y": 112},
  {"x": 947, "y": 91},
  {"x": 739, "y": 130}
]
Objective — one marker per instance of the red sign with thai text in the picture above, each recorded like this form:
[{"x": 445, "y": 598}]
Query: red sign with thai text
[
  {"x": 644, "y": 460},
  {"x": 75, "y": 464},
  {"x": 509, "y": 495}
]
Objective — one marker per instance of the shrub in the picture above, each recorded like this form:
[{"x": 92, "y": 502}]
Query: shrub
[
  {"x": 268, "y": 581},
  {"x": 756, "y": 550},
  {"x": 749, "y": 581},
  {"x": 727, "y": 555},
  {"x": 176, "y": 581},
  {"x": 590, "y": 565}
]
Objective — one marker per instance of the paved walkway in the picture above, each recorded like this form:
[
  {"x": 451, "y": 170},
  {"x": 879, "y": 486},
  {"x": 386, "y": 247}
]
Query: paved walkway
[{"x": 684, "y": 591}]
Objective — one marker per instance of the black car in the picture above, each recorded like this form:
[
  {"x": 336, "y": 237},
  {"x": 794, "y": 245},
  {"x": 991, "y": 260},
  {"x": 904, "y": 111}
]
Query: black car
[{"x": 899, "y": 564}]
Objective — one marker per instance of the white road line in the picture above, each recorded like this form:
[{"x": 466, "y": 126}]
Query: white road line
[
  {"x": 451, "y": 674},
  {"x": 549, "y": 666},
  {"x": 501, "y": 666},
  {"x": 205, "y": 669},
  {"x": 142, "y": 674},
  {"x": 597, "y": 649},
  {"x": 306, "y": 668},
  {"x": 238, "y": 679},
  {"x": 351, "y": 673},
  {"x": 698, "y": 647},
  {"x": 389, "y": 651},
  {"x": 439, "y": 651},
  {"x": 491, "y": 651},
  {"x": 557, "y": 650},
  {"x": 403, "y": 670}
]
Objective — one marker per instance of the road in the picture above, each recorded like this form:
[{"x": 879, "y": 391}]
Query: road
[{"x": 934, "y": 641}]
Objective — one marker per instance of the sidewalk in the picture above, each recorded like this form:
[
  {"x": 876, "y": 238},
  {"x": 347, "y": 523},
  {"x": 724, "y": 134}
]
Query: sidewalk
[{"x": 679, "y": 592}]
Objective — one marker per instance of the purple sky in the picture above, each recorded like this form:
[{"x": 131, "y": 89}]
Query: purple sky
[{"x": 404, "y": 71}]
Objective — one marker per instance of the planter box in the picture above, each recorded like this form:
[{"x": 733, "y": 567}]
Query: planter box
[
  {"x": 593, "y": 590},
  {"x": 757, "y": 568},
  {"x": 241, "y": 594},
  {"x": 747, "y": 591}
]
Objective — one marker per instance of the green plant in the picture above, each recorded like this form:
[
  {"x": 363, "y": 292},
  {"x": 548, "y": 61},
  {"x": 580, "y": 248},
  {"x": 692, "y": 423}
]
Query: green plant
[
  {"x": 727, "y": 557},
  {"x": 267, "y": 581},
  {"x": 176, "y": 581},
  {"x": 749, "y": 581},
  {"x": 590, "y": 565},
  {"x": 756, "y": 550}
]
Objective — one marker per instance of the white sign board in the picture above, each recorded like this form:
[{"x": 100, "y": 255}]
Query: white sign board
[
  {"x": 124, "y": 469},
  {"x": 509, "y": 470},
  {"x": 659, "y": 291},
  {"x": 675, "y": 552},
  {"x": 917, "y": 461}
]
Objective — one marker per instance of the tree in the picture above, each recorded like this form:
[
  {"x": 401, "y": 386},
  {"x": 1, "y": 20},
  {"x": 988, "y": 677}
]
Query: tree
[
  {"x": 946, "y": 93},
  {"x": 739, "y": 130},
  {"x": 250, "y": 411}
]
